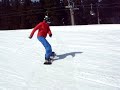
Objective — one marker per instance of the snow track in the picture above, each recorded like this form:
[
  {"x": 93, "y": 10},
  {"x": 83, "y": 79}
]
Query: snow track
[{"x": 88, "y": 59}]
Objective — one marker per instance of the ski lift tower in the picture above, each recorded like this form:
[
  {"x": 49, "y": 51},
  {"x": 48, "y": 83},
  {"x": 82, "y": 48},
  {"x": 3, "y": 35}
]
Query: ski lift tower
[{"x": 71, "y": 6}]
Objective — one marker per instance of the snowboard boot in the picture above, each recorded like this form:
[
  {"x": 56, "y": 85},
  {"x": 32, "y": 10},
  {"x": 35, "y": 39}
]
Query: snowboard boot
[
  {"x": 52, "y": 55},
  {"x": 47, "y": 61}
]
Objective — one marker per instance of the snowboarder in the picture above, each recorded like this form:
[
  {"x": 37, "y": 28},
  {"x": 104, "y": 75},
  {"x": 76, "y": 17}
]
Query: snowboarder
[{"x": 43, "y": 30}]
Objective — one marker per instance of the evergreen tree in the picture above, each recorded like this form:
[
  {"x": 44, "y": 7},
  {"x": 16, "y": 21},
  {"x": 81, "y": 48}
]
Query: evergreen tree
[{"x": 56, "y": 11}]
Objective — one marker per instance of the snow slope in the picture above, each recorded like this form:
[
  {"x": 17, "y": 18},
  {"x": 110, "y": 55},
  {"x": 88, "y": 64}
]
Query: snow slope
[{"x": 89, "y": 59}]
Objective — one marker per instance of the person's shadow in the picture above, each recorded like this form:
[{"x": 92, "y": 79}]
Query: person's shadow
[{"x": 62, "y": 56}]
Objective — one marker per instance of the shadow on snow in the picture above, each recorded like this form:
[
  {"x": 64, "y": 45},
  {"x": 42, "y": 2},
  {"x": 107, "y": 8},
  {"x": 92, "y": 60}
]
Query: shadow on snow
[{"x": 62, "y": 56}]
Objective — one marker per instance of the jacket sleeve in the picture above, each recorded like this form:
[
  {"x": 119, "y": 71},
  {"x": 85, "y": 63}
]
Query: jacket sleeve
[{"x": 35, "y": 28}]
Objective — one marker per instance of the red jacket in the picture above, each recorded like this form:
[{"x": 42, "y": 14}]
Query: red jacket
[{"x": 43, "y": 29}]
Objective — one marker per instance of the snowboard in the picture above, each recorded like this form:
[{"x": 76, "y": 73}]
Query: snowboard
[{"x": 48, "y": 62}]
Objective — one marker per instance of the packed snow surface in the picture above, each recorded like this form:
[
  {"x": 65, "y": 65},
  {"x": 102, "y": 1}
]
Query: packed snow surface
[{"x": 88, "y": 58}]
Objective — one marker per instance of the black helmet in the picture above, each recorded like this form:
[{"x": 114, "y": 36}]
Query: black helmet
[{"x": 47, "y": 19}]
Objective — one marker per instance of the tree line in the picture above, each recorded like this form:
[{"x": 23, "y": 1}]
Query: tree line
[{"x": 25, "y": 14}]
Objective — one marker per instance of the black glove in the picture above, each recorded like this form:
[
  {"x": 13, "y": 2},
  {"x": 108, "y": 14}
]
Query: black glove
[
  {"x": 50, "y": 35},
  {"x": 29, "y": 37}
]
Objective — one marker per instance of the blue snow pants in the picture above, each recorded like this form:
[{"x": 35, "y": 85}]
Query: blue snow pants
[{"x": 47, "y": 46}]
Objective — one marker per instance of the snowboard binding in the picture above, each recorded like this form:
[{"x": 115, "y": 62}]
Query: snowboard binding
[{"x": 49, "y": 60}]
